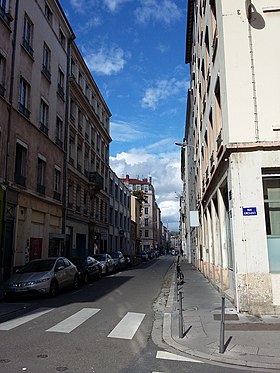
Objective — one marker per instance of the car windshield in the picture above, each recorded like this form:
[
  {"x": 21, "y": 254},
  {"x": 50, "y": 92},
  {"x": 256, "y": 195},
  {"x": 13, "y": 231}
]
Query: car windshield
[
  {"x": 115, "y": 255},
  {"x": 78, "y": 261},
  {"x": 100, "y": 257},
  {"x": 38, "y": 266}
]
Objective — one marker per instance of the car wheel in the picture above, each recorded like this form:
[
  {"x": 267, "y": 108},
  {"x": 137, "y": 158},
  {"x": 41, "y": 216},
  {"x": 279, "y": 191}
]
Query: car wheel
[
  {"x": 86, "y": 278},
  {"x": 53, "y": 288},
  {"x": 99, "y": 275},
  {"x": 76, "y": 282}
]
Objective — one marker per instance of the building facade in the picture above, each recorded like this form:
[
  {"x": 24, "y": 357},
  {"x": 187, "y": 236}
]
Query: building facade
[
  {"x": 33, "y": 61},
  {"x": 150, "y": 223},
  {"x": 54, "y": 140},
  {"x": 119, "y": 216},
  {"x": 233, "y": 163},
  {"x": 88, "y": 139}
]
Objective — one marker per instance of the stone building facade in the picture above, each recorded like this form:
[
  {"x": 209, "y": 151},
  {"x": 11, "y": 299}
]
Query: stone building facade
[{"x": 233, "y": 163}]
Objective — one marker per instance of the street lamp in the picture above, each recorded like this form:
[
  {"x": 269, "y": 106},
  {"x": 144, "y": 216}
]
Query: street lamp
[
  {"x": 185, "y": 209},
  {"x": 184, "y": 144}
]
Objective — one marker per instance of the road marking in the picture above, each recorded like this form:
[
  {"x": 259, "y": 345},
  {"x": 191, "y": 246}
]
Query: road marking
[
  {"x": 72, "y": 322},
  {"x": 128, "y": 326},
  {"x": 169, "y": 356},
  {"x": 8, "y": 325}
]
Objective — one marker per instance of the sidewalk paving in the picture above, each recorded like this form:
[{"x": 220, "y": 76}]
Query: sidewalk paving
[{"x": 249, "y": 341}]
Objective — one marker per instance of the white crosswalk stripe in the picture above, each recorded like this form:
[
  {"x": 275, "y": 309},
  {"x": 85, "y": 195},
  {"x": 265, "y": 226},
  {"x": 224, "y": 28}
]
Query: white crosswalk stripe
[
  {"x": 125, "y": 329},
  {"x": 128, "y": 326},
  {"x": 169, "y": 356},
  {"x": 72, "y": 322},
  {"x": 11, "y": 324}
]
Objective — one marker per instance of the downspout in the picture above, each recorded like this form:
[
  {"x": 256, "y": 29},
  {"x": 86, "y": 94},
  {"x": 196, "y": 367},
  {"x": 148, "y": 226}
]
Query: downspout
[
  {"x": 9, "y": 123},
  {"x": 249, "y": 8},
  {"x": 65, "y": 161}
]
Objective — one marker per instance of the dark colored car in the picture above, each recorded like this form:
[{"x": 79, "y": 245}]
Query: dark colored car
[
  {"x": 107, "y": 263},
  {"x": 88, "y": 268},
  {"x": 119, "y": 259}
]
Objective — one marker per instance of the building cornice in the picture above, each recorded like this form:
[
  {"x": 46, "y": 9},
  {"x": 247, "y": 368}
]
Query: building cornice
[{"x": 189, "y": 31}]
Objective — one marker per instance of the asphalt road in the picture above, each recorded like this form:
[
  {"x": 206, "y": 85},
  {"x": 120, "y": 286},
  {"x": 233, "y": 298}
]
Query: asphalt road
[{"x": 104, "y": 327}]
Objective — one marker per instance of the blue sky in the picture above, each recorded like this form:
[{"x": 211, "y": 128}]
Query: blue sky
[{"x": 135, "y": 50}]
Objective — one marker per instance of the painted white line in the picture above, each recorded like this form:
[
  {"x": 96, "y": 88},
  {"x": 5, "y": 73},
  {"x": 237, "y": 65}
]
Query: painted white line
[
  {"x": 128, "y": 326},
  {"x": 8, "y": 325},
  {"x": 72, "y": 322},
  {"x": 169, "y": 356}
]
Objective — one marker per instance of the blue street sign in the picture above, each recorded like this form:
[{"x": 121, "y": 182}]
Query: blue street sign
[{"x": 248, "y": 211}]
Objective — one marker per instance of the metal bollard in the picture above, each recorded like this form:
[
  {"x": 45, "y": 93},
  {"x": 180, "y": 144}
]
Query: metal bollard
[
  {"x": 222, "y": 328},
  {"x": 181, "y": 322},
  {"x": 176, "y": 287}
]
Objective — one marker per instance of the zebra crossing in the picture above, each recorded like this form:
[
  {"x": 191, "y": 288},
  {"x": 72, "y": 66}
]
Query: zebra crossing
[{"x": 125, "y": 329}]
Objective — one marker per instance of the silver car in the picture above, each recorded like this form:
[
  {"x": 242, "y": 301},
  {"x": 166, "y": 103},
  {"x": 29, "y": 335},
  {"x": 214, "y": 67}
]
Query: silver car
[
  {"x": 107, "y": 263},
  {"x": 43, "y": 276}
]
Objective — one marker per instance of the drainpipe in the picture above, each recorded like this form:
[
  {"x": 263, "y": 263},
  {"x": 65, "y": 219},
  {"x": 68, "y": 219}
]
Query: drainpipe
[
  {"x": 249, "y": 8},
  {"x": 66, "y": 125},
  {"x": 9, "y": 123}
]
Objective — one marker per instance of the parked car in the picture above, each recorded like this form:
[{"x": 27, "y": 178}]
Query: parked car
[
  {"x": 119, "y": 259},
  {"x": 107, "y": 263},
  {"x": 144, "y": 256},
  {"x": 151, "y": 254},
  {"x": 88, "y": 268},
  {"x": 43, "y": 276}
]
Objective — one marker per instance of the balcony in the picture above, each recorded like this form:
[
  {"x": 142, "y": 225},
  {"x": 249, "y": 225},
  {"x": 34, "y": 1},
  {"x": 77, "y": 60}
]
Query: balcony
[
  {"x": 57, "y": 196},
  {"x": 58, "y": 142},
  {"x": 44, "y": 129},
  {"x": 23, "y": 110},
  {"x": 46, "y": 72},
  {"x": 60, "y": 91},
  {"x": 96, "y": 181},
  {"x": 7, "y": 17},
  {"x": 2, "y": 90},
  {"x": 219, "y": 142},
  {"x": 20, "y": 179},
  {"x": 41, "y": 189},
  {"x": 27, "y": 47}
]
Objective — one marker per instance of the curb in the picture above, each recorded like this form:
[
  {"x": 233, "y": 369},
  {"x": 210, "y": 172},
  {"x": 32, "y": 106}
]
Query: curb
[{"x": 214, "y": 357}]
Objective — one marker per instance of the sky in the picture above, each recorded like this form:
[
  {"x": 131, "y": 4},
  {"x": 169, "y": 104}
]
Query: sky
[{"x": 135, "y": 50}]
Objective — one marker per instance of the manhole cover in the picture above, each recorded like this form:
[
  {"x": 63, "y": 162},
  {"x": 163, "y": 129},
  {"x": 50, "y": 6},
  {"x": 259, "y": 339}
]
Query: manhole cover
[
  {"x": 42, "y": 356},
  {"x": 61, "y": 369},
  {"x": 4, "y": 361}
]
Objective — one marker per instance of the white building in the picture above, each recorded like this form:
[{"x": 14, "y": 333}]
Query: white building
[{"x": 234, "y": 164}]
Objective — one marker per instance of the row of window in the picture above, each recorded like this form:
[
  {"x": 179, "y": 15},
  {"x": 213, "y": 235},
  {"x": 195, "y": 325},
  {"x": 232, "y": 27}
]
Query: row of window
[
  {"x": 28, "y": 35},
  {"x": 119, "y": 219},
  {"x": 79, "y": 77},
  {"x": 21, "y": 169},
  {"x": 87, "y": 129},
  {"x": 118, "y": 193}
]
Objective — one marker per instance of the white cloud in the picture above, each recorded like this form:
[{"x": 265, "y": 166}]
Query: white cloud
[
  {"x": 165, "y": 170},
  {"x": 112, "y": 5},
  {"x": 124, "y": 132},
  {"x": 162, "y": 11},
  {"x": 163, "y": 48},
  {"x": 106, "y": 61},
  {"x": 162, "y": 91},
  {"x": 92, "y": 22}
]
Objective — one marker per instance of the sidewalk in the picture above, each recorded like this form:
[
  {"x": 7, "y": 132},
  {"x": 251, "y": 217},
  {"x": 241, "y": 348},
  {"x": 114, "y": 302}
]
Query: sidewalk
[{"x": 249, "y": 341}]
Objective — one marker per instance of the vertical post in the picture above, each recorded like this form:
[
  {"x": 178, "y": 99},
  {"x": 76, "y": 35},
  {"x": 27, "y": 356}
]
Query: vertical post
[
  {"x": 222, "y": 328},
  {"x": 181, "y": 326},
  {"x": 176, "y": 285}
]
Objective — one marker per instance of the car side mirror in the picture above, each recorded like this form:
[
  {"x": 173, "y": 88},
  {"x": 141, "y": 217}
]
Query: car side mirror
[{"x": 60, "y": 268}]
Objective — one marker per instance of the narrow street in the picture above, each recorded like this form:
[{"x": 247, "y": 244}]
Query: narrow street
[{"x": 103, "y": 327}]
